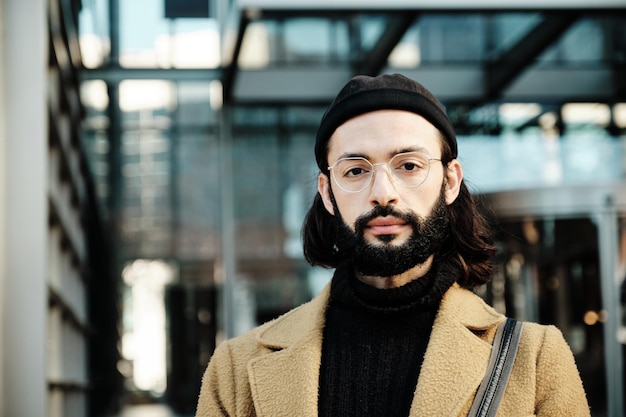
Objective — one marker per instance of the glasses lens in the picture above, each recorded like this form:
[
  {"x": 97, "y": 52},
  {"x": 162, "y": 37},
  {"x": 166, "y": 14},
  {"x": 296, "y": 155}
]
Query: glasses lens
[
  {"x": 352, "y": 174},
  {"x": 409, "y": 169}
]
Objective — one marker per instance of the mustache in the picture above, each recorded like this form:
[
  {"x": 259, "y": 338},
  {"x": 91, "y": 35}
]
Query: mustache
[{"x": 383, "y": 211}]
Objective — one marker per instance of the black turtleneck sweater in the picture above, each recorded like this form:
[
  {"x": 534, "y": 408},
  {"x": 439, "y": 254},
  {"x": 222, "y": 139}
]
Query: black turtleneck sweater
[{"x": 374, "y": 343}]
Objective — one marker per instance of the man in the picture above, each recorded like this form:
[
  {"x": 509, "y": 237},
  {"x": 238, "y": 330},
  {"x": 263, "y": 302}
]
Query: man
[{"x": 397, "y": 332}]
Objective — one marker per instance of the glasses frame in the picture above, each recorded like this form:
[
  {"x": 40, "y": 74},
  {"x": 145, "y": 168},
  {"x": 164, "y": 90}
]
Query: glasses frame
[{"x": 388, "y": 164}]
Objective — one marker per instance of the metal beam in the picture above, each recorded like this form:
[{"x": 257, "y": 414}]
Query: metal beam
[
  {"x": 559, "y": 83},
  {"x": 456, "y": 5},
  {"x": 285, "y": 86},
  {"x": 376, "y": 59},
  {"x": 562, "y": 201},
  {"x": 502, "y": 72},
  {"x": 451, "y": 83},
  {"x": 618, "y": 50},
  {"x": 115, "y": 74},
  {"x": 231, "y": 68}
]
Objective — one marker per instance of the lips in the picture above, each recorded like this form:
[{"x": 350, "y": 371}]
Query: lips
[{"x": 385, "y": 225}]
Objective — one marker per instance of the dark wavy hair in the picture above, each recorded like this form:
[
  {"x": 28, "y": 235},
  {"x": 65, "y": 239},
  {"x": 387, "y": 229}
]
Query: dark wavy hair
[{"x": 470, "y": 244}]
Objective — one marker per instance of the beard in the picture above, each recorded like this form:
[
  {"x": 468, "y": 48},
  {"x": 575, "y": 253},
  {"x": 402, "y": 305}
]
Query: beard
[{"x": 384, "y": 258}]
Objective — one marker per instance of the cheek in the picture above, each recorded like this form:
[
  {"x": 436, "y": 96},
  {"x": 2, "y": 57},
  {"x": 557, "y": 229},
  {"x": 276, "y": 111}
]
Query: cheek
[
  {"x": 422, "y": 202},
  {"x": 350, "y": 208}
]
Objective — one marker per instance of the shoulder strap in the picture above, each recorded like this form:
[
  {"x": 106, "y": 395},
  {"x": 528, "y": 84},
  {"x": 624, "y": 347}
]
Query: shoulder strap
[{"x": 494, "y": 383}]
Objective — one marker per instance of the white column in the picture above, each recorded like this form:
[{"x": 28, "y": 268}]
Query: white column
[
  {"x": 23, "y": 68},
  {"x": 3, "y": 159}
]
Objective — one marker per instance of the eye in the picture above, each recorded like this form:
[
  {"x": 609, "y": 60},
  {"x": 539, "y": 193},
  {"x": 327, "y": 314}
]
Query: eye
[
  {"x": 353, "y": 168},
  {"x": 355, "y": 171},
  {"x": 410, "y": 164}
]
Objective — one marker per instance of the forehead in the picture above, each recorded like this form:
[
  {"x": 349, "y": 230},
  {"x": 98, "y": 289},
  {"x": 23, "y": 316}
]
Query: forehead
[{"x": 384, "y": 133}]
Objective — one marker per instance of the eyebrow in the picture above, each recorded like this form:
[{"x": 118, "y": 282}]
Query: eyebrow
[
  {"x": 420, "y": 149},
  {"x": 391, "y": 154},
  {"x": 353, "y": 155}
]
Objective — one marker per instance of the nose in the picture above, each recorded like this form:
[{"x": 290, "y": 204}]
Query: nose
[{"x": 383, "y": 191}]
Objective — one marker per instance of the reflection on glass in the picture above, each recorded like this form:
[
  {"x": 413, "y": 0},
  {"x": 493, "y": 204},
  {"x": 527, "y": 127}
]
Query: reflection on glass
[
  {"x": 548, "y": 270},
  {"x": 452, "y": 38},
  {"x": 255, "y": 47},
  {"x": 136, "y": 96},
  {"x": 144, "y": 325},
  {"x": 94, "y": 33},
  {"x": 619, "y": 115},
  {"x": 150, "y": 40}
]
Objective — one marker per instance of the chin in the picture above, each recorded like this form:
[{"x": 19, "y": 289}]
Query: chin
[
  {"x": 391, "y": 240},
  {"x": 384, "y": 239}
]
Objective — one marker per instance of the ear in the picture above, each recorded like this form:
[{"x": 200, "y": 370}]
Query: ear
[
  {"x": 323, "y": 187},
  {"x": 454, "y": 176}
]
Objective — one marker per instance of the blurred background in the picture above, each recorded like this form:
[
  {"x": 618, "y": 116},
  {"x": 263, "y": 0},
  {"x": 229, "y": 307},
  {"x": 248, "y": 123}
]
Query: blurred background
[{"x": 157, "y": 163}]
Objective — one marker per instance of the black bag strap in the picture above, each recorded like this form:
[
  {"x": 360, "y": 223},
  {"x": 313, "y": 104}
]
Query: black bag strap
[{"x": 494, "y": 383}]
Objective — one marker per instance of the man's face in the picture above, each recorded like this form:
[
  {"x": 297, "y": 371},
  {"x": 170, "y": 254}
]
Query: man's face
[{"x": 378, "y": 136}]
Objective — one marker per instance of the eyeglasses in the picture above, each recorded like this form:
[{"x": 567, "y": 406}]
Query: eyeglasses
[{"x": 407, "y": 170}]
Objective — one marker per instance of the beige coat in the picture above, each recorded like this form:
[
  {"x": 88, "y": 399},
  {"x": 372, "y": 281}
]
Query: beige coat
[{"x": 273, "y": 370}]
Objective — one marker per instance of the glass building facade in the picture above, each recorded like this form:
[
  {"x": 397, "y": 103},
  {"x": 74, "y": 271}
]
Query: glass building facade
[{"x": 200, "y": 134}]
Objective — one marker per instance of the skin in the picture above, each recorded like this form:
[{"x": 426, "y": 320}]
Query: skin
[{"x": 378, "y": 136}]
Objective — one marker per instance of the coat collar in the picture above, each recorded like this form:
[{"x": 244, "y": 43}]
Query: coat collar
[
  {"x": 285, "y": 381},
  {"x": 457, "y": 355}
]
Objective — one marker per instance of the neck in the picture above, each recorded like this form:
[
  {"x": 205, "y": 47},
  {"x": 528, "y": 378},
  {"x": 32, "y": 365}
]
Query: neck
[{"x": 396, "y": 281}]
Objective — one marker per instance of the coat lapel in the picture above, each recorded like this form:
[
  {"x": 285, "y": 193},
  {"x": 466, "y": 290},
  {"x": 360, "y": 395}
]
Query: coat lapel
[
  {"x": 456, "y": 358},
  {"x": 285, "y": 381}
]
